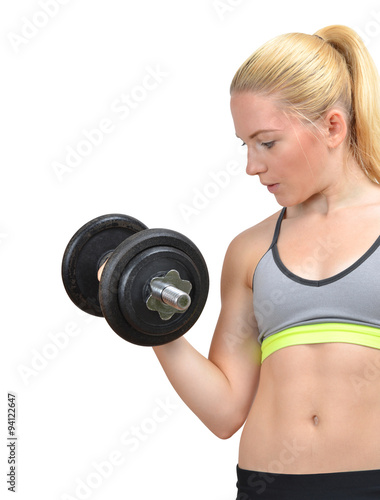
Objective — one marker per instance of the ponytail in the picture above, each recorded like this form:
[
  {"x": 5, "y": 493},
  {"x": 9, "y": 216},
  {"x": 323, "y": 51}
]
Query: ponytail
[
  {"x": 365, "y": 97},
  {"x": 311, "y": 74}
]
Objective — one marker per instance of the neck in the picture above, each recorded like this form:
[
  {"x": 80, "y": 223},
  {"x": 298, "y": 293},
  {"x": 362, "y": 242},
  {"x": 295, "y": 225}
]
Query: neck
[{"x": 349, "y": 188}]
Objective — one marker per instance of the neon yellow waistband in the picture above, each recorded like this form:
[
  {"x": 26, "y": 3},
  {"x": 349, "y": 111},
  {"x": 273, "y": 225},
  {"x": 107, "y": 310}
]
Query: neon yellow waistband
[{"x": 349, "y": 333}]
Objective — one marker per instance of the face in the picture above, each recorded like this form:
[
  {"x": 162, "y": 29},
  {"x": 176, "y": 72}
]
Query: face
[{"x": 288, "y": 155}]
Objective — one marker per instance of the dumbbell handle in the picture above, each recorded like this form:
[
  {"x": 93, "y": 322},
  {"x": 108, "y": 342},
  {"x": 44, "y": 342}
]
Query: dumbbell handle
[{"x": 170, "y": 295}]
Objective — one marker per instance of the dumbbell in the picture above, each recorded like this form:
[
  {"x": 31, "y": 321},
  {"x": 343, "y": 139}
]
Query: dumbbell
[{"x": 154, "y": 283}]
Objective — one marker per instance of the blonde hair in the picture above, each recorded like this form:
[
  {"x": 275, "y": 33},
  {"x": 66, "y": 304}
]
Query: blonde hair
[{"x": 310, "y": 74}]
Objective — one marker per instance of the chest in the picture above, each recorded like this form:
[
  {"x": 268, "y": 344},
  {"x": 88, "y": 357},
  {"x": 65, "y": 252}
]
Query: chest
[{"x": 319, "y": 250}]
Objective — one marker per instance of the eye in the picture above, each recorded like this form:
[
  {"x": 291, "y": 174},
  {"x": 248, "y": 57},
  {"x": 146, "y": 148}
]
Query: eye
[
  {"x": 268, "y": 145},
  {"x": 244, "y": 144}
]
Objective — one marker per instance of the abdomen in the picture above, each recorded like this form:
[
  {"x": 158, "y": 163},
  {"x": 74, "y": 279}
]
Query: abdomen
[{"x": 317, "y": 410}]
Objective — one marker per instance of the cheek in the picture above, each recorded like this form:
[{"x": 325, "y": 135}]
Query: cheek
[{"x": 306, "y": 158}]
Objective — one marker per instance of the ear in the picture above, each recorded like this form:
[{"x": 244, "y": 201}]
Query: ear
[{"x": 336, "y": 128}]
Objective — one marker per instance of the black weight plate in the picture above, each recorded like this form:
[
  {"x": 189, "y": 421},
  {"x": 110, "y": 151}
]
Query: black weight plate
[
  {"x": 84, "y": 254},
  {"x": 141, "y": 258},
  {"x": 134, "y": 289}
]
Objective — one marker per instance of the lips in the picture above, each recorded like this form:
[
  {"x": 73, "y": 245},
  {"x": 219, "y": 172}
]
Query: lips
[{"x": 272, "y": 187}]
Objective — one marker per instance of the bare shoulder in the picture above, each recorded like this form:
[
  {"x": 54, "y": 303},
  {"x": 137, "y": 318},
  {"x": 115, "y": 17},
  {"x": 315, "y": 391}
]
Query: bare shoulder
[{"x": 247, "y": 248}]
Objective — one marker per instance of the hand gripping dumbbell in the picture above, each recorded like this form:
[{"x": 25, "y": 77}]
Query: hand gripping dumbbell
[{"x": 154, "y": 283}]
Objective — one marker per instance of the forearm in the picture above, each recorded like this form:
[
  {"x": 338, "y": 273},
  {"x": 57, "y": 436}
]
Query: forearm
[{"x": 202, "y": 386}]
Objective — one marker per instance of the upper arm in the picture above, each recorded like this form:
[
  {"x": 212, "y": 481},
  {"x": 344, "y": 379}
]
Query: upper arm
[{"x": 234, "y": 348}]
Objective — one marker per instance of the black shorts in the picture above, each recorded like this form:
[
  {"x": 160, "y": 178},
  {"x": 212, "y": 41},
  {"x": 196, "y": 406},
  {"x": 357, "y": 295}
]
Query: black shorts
[{"x": 355, "y": 485}]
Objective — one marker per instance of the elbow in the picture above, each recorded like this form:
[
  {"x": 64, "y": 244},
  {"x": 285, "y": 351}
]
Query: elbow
[
  {"x": 226, "y": 434},
  {"x": 228, "y": 428}
]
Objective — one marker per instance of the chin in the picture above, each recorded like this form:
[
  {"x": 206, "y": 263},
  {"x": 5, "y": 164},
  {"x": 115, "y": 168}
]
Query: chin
[
  {"x": 290, "y": 201},
  {"x": 285, "y": 201}
]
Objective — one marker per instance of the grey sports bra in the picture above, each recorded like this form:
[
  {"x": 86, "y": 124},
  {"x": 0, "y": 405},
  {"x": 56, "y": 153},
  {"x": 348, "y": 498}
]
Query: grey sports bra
[{"x": 291, "y": 310}]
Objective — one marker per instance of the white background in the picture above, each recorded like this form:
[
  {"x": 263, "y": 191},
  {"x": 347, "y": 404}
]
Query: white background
[{"x": 63, "y": 73}]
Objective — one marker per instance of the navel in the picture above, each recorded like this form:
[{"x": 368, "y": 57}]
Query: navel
[{"x": 315, "y": 420}]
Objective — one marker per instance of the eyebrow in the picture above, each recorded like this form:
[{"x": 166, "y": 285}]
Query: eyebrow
[{"x": 260, "y": 132}]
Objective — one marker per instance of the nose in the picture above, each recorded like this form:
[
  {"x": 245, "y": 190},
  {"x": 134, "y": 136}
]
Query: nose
[{"x": 254, "y": 165}]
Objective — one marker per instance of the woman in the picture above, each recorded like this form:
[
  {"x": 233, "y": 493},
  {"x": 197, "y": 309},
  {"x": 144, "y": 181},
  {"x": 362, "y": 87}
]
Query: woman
[{"x": 295, "y": 354}]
